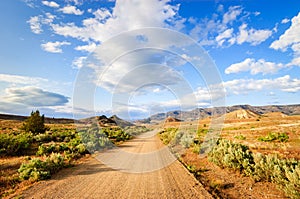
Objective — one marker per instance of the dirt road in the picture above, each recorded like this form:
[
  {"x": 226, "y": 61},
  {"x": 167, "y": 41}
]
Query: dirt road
[{"x": 143, "y": 179}]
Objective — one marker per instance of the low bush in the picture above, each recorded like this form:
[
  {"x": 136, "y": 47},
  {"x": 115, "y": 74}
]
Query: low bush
[
  {"x": 271, "y": 168},
  {"x": 56, "y": 135},
  {"x": 229, "y": 154},
  {"x": 14, "y": 143},
  {"x": 167, "y": 135},
  {"x": 135, "y": 130},
  {"x": 38, "y": 169},
  {"x": 116, "y": 134},
  {"x": 186, "y": 140},
  {"x": 95, "y": 139},
  {"x": 240, "y": 137},
  {"x": 281, "y": 137},
  {"x": 74, "y": 146}
]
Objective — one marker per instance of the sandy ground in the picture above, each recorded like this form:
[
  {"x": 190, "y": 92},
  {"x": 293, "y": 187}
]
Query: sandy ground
[{"x": 93, "y": 179}]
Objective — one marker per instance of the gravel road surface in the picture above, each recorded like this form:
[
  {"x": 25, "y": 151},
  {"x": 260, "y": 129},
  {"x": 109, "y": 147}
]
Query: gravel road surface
[{"x": 161, "y": 176}]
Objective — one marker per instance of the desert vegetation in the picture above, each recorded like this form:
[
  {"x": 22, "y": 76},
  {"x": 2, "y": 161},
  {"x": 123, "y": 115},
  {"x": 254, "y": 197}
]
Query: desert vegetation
[
  {"x": 32, "y": 150},
  {"x": 271, "y": 167},
  {"x": 259, "y": 150}
]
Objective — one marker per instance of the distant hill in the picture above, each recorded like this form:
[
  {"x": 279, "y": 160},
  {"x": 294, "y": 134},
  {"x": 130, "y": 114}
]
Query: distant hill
[
  {"x": 201, "y": 113},
  {"x": 104, "y": 121},
  {"x": 171, "y": 119},
  {"x": 241, "y": 114},
  {"x": 275, "y": 114},
  {"x": 47, "y": 119},
  {"x": 120, "y": 122}
]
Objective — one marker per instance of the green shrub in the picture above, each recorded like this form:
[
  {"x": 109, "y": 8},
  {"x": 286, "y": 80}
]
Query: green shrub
[
  {"x": 14, "y": 144},
  {"x": 37, "y": 169},
  {"x": 34, "y": 170},
  {"x": 95, "y": 139},
  {"x": 281, "y": 137},
  {"x": 186, "y": 140},
  {"x": 135, "y": 130},
  {"x": 196, "y": 148},
  {"x": 240, "y": 137},
  {"x": 284, "y": 172},
  {"x": 56, "y": 135},
  {"x": 202, "y": 132},
  {"x": 116, "y": 134},
  {"x": 74, "y": 146},
  {"x": 271, "y": 168},
  {"x": 168, "y": 134},
  {"x": 292, "y": 185},
  {"x": 232, "y": 155},
  {"x": 43, "y": 137}
]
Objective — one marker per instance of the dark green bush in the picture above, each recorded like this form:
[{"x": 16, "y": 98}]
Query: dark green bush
[{"x": 35, "y": 123}]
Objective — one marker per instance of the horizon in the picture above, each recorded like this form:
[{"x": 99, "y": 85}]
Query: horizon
[
  {"x": 49, "y": 46},
  {"x": 108, "y": 116}
]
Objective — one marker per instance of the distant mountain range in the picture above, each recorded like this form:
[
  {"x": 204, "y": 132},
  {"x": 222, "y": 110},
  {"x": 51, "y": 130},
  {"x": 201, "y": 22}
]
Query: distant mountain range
[
  {"x": 195, "y": 114},
  {"x": 201, "y": 113}
]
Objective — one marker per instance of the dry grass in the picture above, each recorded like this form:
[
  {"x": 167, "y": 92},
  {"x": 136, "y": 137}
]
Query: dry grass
[{"x": 253, "y": 128}]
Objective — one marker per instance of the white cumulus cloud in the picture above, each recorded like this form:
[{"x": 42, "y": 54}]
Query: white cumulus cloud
[
  {"x": 126, "y": 15},
  {"x": 78, "y": 62},
  {"x": 232, "y": 14},
  {"x": 71, "y": 10},
  {"x": 290, "y": 37},
  {"x": 89, "y": 48},
  {"x": 35, "y": 24},
  {"x": 252, "y": 36},
  {"x": 223, "y": 36},
  {"x": 54, "y": 47},
  {"x": 223, "y": 32},
  {"x": 50, "y": 4},
  {"x": 255, "y": 67},
  {"x": 243, "y": 86}
]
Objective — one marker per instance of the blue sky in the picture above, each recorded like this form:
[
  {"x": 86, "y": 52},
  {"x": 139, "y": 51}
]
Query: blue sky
[{"x": 46, "y": 48}]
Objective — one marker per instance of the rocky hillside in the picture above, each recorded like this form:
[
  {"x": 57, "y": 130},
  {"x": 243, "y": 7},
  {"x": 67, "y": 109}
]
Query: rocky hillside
[
  {"x": 241, "y": 114},
  {"x": 104, "y": 121},
  {"x": 120, "y": 122},
  {"x": 171, "y": 119},
  {"x": 201, "y": 113}
]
